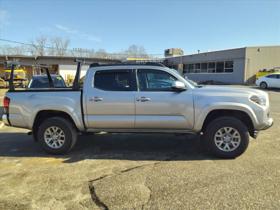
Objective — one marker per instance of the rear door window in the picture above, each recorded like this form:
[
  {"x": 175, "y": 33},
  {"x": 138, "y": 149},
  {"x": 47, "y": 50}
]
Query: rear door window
[
  {"x": 272, "y": 76},
  {"x": 115, "y": 80}
]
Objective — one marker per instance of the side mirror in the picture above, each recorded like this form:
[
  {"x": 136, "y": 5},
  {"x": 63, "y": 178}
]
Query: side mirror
[{"x": 178, "y": 86}]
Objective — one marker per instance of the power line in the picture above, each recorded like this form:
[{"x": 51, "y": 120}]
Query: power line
[
  {"x": 69, "y": 50},
  {"x": 15, "y": 42},
  {"x": 29, "y": 44}
]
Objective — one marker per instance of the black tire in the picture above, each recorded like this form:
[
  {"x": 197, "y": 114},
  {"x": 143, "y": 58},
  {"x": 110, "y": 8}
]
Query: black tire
[
  {"x": 69, "y": 130},
  {"x": 220, "y": 123},
  {"x": 263, "y": 85}
]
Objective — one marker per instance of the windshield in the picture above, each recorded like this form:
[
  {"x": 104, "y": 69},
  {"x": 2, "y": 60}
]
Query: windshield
[{"x": 43, "y": 82}]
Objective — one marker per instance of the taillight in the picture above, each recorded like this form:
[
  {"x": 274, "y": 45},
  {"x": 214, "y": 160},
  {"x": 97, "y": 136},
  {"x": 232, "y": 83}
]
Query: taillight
[{"x": 6, "y": 103}]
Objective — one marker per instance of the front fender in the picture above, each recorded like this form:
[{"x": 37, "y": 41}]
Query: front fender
[{"x": 202, "y": 112}]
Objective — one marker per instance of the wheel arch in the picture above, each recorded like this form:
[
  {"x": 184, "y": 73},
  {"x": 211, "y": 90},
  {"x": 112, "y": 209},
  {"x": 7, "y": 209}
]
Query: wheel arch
[
  {"x": 45, "y": 114},
  {"x": 241, "y": 115}
]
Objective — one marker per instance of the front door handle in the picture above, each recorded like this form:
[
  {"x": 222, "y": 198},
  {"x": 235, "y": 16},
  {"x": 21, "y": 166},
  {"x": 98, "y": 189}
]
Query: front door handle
[
  {"x": 96, "y": 99},
  {"x": 143, "y": 99}
]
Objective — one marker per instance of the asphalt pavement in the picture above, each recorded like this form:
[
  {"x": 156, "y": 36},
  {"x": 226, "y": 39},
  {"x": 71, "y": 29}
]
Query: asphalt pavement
[{"x": 133, "y": 171}]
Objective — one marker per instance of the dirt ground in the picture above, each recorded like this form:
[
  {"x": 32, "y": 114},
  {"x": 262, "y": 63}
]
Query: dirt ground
[{"x": 140, "y": 172}]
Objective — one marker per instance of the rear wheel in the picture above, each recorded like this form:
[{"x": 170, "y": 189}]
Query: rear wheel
[
  {"x": 226, "y": 137},
  {"x": 57, "y": 135},
  {"x": 263, "y": 85}
]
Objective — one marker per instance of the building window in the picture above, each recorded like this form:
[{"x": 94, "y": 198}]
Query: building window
[
  {"x": 228, "y": 66},
  {"x": 191, "y": 68},
  {"x": 186, "y": 68},
  {"x": 211, "y": 67},
  {"x": 197, "y": 68},
  {"x": 203, "y": 67},
  {"x": 220, "y": 67}
]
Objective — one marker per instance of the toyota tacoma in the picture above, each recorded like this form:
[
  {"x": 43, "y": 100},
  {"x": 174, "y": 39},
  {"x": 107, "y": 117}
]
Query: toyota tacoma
[{"x": 139, "y": 98}]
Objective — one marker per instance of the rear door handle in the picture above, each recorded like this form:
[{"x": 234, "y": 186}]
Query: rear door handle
[
  {"x": 96, "y": 99},
  {"x": 143, "y": 99}
]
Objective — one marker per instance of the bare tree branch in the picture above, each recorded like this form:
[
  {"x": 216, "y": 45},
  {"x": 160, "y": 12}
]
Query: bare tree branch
[
  {"x": 38, "y": 46},
  {"x": 59, "y": 46},
  {"x": 9, "y": 50}
]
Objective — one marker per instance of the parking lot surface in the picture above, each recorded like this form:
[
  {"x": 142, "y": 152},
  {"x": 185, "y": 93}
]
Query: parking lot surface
[{"x": 125, "y": 171}]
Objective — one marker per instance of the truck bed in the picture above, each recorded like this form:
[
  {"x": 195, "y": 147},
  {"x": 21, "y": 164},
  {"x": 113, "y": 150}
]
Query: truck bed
[{"x": 26, "y": 104}]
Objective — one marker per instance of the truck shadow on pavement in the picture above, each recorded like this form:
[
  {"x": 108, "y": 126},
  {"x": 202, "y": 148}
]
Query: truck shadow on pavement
[{"x": 162, "y": 147}]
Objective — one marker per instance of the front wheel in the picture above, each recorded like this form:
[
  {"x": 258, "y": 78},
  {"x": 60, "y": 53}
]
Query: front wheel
[
  {"x": 57, "y": 135},
  {"x": 226, "y": 137},
  {"x": 263, "y": 85}
]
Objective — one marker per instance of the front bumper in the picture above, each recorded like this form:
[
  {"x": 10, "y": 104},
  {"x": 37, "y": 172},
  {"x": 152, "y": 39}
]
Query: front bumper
[{"x": 267, "y": 124}]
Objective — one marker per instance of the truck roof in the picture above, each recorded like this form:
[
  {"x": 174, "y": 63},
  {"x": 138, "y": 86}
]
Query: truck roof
[{"x": 128, "y": 64}]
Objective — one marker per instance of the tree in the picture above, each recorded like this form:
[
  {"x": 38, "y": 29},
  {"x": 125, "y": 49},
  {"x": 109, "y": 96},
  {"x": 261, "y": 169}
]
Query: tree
[
  {"x": 38, "y": 46},
  {"x": 77, "y": 52},
  {"x": 101, "y": 53},
  {"x": 136, "y": 51},
  {"x": 80, "y": 52},
  {"x": 59, "y": 46},
  {"x": 9, "y": 50}
]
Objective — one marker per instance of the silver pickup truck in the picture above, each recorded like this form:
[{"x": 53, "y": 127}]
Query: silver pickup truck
[{"x": 140, "y": 98}]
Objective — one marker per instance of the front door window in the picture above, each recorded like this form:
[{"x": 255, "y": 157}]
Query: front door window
[{"x": 155, "y": 80}]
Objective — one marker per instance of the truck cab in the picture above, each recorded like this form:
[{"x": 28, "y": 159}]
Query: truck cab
[{"x": 137, "y": 97}]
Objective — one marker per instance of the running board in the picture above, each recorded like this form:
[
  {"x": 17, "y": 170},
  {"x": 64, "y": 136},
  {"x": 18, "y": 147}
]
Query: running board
[{"x": 120, "y": 130}]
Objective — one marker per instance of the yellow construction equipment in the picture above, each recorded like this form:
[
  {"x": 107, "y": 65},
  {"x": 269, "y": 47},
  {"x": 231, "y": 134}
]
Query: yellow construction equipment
[
  {"x": 264, "y": 72},
  {"x": 20, "y": 79},
  {"x": 19, "y": 74}
]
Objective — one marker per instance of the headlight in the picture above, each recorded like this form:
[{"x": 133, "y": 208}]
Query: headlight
[{"x": 258, "y": 100}]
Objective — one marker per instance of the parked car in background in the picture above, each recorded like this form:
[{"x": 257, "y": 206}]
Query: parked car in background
[
  {"x": 269, "y": 81},
  {"x": 42, "y": 81}
]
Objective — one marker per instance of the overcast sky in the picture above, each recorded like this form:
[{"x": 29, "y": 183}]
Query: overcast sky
[{"x": 114, "y": 25}]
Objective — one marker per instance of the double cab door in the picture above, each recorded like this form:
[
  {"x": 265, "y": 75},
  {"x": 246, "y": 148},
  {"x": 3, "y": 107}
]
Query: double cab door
[{"x": 137, "y": 99}]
